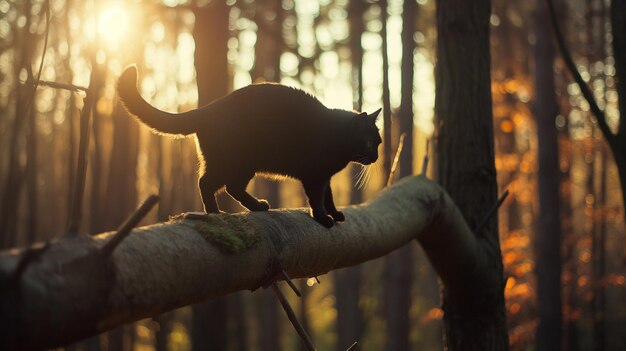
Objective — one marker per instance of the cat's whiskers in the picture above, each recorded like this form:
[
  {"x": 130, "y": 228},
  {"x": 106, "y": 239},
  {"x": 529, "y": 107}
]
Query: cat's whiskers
[
  {"x": 373, "y": 171},
  {"x": 369, "y": 172},
  {"x": 359, "y": 177},
  {"x": 364, "y": 175},
  {"x": 363, "y": 178}
]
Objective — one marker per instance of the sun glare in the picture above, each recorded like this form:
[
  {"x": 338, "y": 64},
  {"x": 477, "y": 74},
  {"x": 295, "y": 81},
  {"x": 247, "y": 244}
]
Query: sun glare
[{"x": 113, "y": 24}]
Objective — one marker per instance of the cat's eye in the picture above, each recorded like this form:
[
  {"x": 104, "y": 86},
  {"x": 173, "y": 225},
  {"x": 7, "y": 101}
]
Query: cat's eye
[{"x": 369, "y": 144}]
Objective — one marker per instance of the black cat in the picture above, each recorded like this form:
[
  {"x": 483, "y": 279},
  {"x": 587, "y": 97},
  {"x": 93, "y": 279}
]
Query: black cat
[{"x": 266, "y": 129}]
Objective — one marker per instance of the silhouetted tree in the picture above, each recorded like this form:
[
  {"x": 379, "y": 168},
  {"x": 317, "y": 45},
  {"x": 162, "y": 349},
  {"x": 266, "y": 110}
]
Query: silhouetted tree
[
  {"x": 347, "y": 282},
  {"x": 26, "y": 43},
  {"x": 210, "y": 33},
  {"x": 474, "y": 313},
  {"x": 548, "y": 237},
  {"x": 399, "y": 265}
]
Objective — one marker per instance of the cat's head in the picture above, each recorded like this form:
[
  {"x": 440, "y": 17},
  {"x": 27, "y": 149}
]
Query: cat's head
[{"x": 365, "y": 138}]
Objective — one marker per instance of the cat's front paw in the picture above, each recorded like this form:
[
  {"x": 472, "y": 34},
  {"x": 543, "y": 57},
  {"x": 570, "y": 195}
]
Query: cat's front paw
[
  {"x": 338, "y": 216},
  {"x": 261, "y": 205},
  {"x": 326, "y": 220}
]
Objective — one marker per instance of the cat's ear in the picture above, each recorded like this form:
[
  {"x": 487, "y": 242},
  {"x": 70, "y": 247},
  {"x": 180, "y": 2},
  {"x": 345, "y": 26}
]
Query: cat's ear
[{"x": 374, "y": 116}]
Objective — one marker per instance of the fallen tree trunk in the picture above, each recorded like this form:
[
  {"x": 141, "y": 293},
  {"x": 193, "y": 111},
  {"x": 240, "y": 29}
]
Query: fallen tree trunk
[{"x": 68, "y": 290}]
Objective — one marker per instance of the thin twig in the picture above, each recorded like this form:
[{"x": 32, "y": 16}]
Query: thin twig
[
  {"x": 129, "y": 224},
  {"x": 353, "y": 347},
  {"x": 64, "y": 86},
  {"x": 426, "y": 157},
  {"x": 292, "y": 318},
  {"x": 584, "y": 88},
  {"x": 396, "y": 159},
  {"x": 491, "y": 212},
  {"x": 290, "y": 283}
]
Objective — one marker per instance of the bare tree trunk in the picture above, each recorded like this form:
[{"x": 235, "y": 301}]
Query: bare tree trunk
[
  {"x": 618, "y": 30},
  {"x": 32, "y": 172},
  {"x": 347, "y": 282},
  {"x": 548, "y": 237},
  {"x": 240, "y": 332},
  {"x": 98, "y": 221},
  {"x": 569, "y": 260},
  {"x": 121, "y": 191},
  {"x": 10, "y": 201},
  {"x": 618, "y": 25},
  {"x": 71, "y": 153},
  {"x": 399, "y": 265},
  {"x": 161, "y": 335},
  {"x": 210, "y": 33},
  {"x": 600, "y": 225},
  {"x": 304, "y": 315},
  {"x": 70, "y": 118},
  {"x": 386, "y": 95},
  {"x": 599, "y": 260},
  {"x": 270, "y": 322},
  {"x": 268, "y": 49},
  {"x": 474, "y": 311}
]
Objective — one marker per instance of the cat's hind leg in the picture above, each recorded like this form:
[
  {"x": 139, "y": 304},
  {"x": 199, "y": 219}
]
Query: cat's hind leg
[
  {"x": 236, "y": 188},
  {"x": 208, "y": 186}
]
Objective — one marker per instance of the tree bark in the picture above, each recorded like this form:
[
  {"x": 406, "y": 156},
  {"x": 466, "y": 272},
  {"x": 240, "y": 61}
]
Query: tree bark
[
  {"x": 347, "y": 282},
  {"x": 304, "y": 316},
  {"x": 548, "y": 237},
  {"x": 268, "y": 49},
  {"x": 618, "y": 28},
  {"x": 10, "y": 198},
  {"x": 466, "y": 169},
  {"x": 399, "y": 265},
  {"x": 210, "y": 33},
  {"x": 387, "y": 155},
  {"x": 70, "y": 290}
]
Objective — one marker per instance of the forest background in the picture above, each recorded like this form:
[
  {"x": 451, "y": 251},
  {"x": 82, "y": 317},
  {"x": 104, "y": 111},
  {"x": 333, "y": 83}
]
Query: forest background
[{"x": 60, "y": 59}]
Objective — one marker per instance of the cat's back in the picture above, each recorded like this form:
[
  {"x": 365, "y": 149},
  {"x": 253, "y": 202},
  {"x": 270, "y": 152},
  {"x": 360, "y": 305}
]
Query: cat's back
[
  {"x": 277, "y": 99},
  {"x": 270, "y": 128}
]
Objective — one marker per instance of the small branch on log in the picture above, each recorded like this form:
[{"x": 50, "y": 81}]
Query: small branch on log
[
  {"x": 396, "y": 159},
  {"x": 491, "y": 212},
  {"x": 293, "y": 319},
  {"x": 426, "y": 157},
  {"x": 129, "y": 224},
  {"x": 64, "y": 86}
]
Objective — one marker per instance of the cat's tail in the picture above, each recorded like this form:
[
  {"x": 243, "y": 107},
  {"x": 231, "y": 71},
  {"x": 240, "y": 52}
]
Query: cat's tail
[{"x": 161, "y": 122}]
